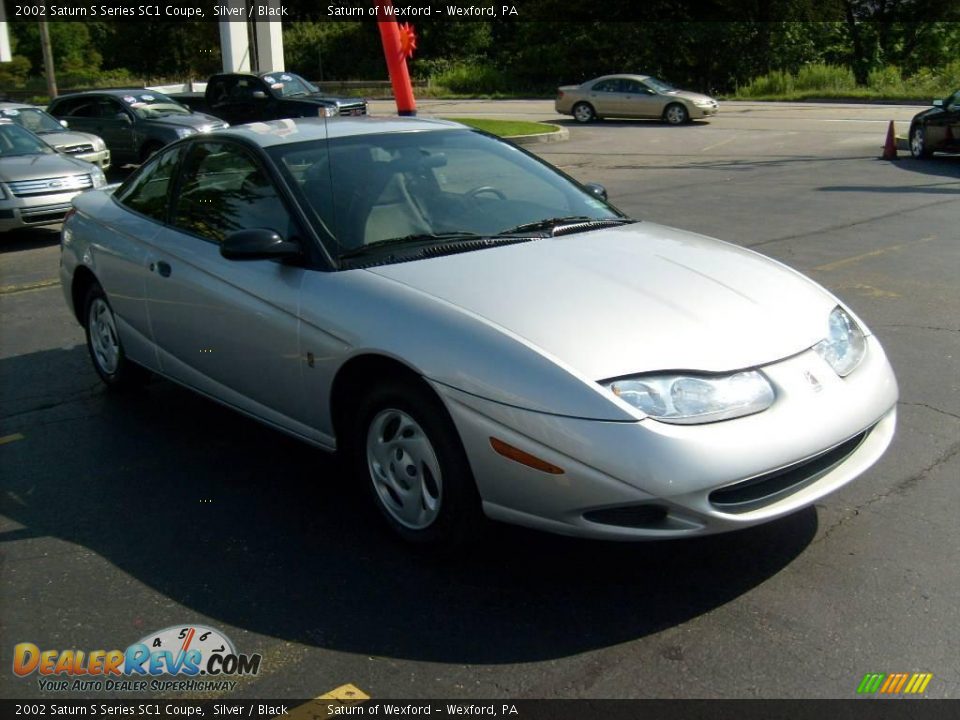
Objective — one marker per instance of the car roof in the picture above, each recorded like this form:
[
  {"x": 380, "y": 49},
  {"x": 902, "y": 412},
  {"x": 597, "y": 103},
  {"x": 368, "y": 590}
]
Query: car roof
[
  {"x": 282, "y": 132},
  {"x": 117, "y": 92},
  {"x": 627, "y": 76},
  {"x": 17, "y": 106}
]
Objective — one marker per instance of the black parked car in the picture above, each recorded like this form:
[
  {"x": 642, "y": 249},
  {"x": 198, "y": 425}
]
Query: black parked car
[
  {"x": 937, "y": 128},
  {"x": 134, "y": 123},
  {"x": 243, "y": 98}
]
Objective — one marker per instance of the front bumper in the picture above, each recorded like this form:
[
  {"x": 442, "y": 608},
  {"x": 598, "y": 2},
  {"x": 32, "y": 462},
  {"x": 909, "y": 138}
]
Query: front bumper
[
  {"x": 698, "y": 112},
  {"x": 101, "y": 158},
  {"x": 612, "y": 469},
  {"x": 34, "y": 211}
]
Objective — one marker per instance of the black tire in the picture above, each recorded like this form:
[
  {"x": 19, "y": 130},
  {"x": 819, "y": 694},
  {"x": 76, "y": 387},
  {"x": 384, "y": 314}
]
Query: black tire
[
  {"x": 918, "y": 143},
  {"x": 675, "y": 114},
  {"x": 116, "y": 370},
  {"x": 457, "y": 516},
  {"x": 149, "y": 150},
  {"x": 583, "y": 112}
]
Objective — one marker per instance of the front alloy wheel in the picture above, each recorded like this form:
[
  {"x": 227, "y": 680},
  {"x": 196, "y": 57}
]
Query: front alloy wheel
[
  {"x": 676, "y": 114},
  {"x": 404, "y": 469},
  {"x": 404, "y": 448},
  {"x": 918, "y": 144}
]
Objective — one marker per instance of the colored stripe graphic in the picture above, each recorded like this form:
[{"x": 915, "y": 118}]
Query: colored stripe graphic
[
  {"x": 871, "y": 682},
  {"x": 894, "y": 683}
]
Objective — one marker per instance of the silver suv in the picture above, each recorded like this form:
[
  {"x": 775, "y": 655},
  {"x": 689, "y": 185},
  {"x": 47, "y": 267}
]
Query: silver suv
[
  {"x": 85, "y": 146},
  {"x": 36, "y": 182}
]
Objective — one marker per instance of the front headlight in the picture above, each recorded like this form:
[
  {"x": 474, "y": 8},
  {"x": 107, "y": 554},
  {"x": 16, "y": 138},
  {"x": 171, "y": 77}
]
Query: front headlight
[
  {"x": 327, "y": 111},
  {"x": 184, "y": 132},
  {"x": 844, "y": 346},
  {"x": 99, "y": 179},
  {"x": 690, "y": 399}
]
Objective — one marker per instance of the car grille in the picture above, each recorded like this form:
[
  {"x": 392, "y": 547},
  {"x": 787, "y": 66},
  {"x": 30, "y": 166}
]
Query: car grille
[
  {"x": 45, "y": 214},
  {"x": 766, "y": 489},
  {"x": 74, "y": 149},
  {"x": 50, "y": 186},
  {"x": 355, "y": 109}
]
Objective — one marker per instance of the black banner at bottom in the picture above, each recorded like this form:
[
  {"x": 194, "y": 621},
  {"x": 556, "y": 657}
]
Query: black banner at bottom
[{"x": 321, "y": 709}]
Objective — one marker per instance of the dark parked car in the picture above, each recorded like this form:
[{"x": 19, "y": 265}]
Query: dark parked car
[
  {"x": 937, "y": 128},
  {"x": 133, "y": 123},
  {"x": 243, "y": 98}
]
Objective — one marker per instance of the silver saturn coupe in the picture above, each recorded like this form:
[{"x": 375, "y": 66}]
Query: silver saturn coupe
[{"x": 477, "y": 333}]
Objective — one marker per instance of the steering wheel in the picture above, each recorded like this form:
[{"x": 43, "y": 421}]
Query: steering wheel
[{"x": 485, "y": 189}]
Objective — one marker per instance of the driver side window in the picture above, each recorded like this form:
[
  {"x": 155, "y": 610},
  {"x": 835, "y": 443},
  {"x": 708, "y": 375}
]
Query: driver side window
[{"x": 223, "y": 189}]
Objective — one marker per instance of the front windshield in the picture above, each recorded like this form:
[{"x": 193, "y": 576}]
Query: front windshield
[
  {"x": 288, "y": 84},
  {"x": 375, "y": 188},
  {"x": 33, "y": 119},
  {"x": 152, "y": 105},
  {"x": 659, "y": 85},
  {"x": 14, "y": 140}
]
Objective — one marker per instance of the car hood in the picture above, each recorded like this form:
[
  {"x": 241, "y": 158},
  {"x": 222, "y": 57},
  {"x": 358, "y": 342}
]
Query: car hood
[
  {"x": 66, "y": 138},
  {"x": 321, "y": 99},
  {"x": 691, "y": 96},
  {"x": 195, "y": 120},
  {"x": 928, "y": 113},
  {"x": 638, "y": 298},
  {"x": 34, "y": 167}
]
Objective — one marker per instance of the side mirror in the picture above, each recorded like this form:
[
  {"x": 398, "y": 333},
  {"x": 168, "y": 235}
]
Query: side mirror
[
  {"x": 597, "y": 190},
  {"x": 938, "y": 103},
  {"x": 259, "y": 95},
  {"x": 257, "y": 244},
  {"x": 64, "y": 123}
]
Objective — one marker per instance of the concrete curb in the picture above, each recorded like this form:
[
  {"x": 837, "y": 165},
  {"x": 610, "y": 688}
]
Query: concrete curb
[{"x": 558, "y": 135}]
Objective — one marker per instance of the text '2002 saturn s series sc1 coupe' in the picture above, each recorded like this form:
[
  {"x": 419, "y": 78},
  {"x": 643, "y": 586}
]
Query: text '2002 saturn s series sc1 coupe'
[{"x": 476, "y": 332}]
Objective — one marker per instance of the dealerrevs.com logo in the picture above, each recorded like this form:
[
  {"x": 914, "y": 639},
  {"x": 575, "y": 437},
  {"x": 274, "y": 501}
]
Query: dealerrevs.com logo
[{"x": 200, "y": 658}]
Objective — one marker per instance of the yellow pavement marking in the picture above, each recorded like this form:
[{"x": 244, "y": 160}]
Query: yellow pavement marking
[
  {"x": 317, "y": 709},
  {"x": 10, "y": 438},
  {"x": 39, "y": 285},
  {"x": 718, "y": 144},
  {"x": 873, "y": 253}
]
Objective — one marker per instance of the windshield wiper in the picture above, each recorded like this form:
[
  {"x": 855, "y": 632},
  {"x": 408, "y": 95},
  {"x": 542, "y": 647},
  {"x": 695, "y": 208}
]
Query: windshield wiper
[
  {"x": 412, "y": 240},
  {"x": 551, "y": 223}
]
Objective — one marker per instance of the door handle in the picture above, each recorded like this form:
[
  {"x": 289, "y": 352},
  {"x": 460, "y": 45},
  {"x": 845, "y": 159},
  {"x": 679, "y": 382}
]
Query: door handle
[{"x": 162, "y": 268}]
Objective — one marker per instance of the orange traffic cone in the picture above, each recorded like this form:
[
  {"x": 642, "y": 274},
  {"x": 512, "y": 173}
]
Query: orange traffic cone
[{"x": 890, "y": 147}]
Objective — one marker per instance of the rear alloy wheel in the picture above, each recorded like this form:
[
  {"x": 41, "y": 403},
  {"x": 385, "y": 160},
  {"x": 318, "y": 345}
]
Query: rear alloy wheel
[
  {"x": 584, "y": 112},
  {"x": 409, "y": 456},
  {"x": 103, "y": 342},
  {"x": 676, "y": 114},
  {"x": 918, "y": 143}
]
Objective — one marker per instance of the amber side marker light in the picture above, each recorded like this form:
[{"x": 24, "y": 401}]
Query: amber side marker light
[{"x": 524, "y": 458}]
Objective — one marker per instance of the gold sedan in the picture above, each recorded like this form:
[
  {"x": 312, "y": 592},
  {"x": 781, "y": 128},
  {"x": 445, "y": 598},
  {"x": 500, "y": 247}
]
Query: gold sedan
[{"x": 633, "y": 96}]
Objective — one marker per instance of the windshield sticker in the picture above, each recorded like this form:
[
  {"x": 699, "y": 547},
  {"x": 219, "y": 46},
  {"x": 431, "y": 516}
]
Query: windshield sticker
[
  {"x": 129, "y": 99},
  {"x": 138, "y": 105},
  {"x": 277, "y": 86},
  {"x": 287, "y": 78},
  {"x": 11, "y": 112},
  {"x": 148, "y": 98},
  {"x": 269, "y": 80}
]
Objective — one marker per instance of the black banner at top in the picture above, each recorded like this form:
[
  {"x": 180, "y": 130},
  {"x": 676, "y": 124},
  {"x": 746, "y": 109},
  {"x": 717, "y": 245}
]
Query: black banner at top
[{"x": 905, "y": 11}]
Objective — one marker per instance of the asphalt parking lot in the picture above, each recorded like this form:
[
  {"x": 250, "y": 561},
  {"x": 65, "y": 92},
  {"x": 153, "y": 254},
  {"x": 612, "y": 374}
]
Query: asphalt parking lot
[{"x": 123, "y": 515}]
